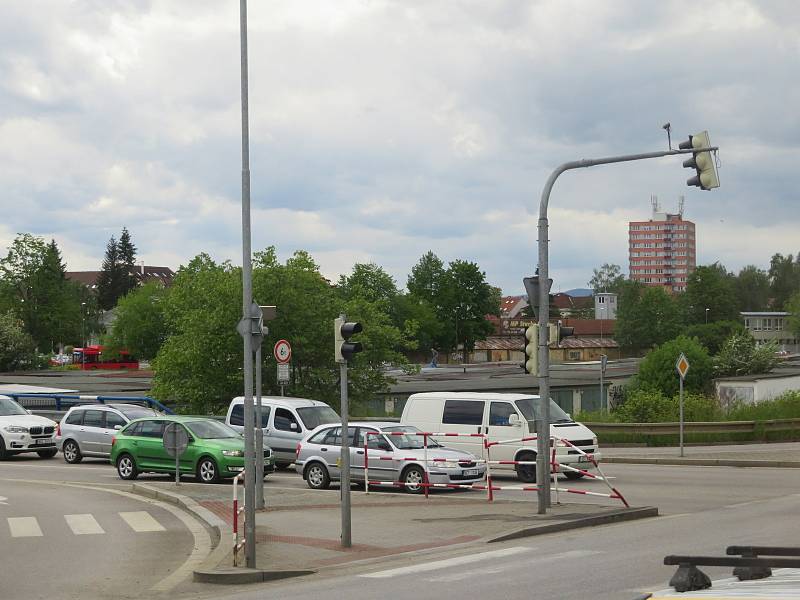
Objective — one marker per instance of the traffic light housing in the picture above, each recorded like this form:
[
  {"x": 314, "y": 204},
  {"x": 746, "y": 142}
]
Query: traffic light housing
[
  {"x": 558, "y": 332},
  {"x": 343, "y": 349},
  {"x": 702, "y": 162},
  {"x": 531, "y": 361}
]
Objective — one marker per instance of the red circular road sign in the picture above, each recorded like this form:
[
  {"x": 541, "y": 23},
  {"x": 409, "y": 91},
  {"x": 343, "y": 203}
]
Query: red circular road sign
[{"x": 282, "y": 351}]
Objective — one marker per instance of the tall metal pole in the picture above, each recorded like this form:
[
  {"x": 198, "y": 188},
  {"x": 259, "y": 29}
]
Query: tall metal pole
[
  {"x": 247, "y": 300},
  {"x": 681, "y": 413},
  {"x": 542, "y": 462},
  {"x": 259, "y": 431},
  {"x": 345, "y": 459},
  {"x": 601, "y": 386}
]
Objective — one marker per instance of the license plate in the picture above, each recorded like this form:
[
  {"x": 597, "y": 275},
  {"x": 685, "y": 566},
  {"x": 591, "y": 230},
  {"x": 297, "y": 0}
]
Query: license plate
[
  {"x": 471, "y": 472},
  {"x": 583, "y": 458},
  {"x": 43, "y": 442}
]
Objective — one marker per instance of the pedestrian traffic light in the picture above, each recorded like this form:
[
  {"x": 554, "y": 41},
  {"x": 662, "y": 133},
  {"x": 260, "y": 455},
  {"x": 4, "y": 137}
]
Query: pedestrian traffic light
[
  {"x": 344, "y": 349},
  {"x": 701, "y": 162},
  {"x": 531, "y": 363}
]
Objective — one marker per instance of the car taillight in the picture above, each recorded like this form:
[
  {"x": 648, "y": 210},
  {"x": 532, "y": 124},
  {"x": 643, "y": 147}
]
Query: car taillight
[
  {"x": 297, "y": 451},
  {"x": 58, "y": 430},
  {"x": 113, "y": 441}
]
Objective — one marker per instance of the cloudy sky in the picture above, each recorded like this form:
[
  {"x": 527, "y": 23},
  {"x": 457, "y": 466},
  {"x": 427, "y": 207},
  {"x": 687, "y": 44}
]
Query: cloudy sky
[{"x": 381, "y": 129}]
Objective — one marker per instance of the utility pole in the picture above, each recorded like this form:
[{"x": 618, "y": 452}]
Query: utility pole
[{"x": 705, "y": 179}]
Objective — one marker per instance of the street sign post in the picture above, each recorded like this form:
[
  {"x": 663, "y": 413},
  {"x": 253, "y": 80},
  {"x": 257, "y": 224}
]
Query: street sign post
[
  {"x": 603, "y": 365},
  {"x": 282, "y": 352},
  {"x": 682, "y": 366},
  {"x": 175, "y": 441}
]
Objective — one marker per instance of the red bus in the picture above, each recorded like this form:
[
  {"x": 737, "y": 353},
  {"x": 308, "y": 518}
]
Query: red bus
[{"x": 91, "y": 357}]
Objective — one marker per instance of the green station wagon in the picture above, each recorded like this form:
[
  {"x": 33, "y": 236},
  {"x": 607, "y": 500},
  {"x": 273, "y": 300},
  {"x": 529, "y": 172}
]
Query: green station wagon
[{"x": 215, "y": 451}]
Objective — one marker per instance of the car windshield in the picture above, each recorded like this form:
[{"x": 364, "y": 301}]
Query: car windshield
[
  {"x": 314, "y": 416},
  {"x": 212, "y": 430},
  {"x": 530, "y": 410},
  {"x": 411, "y": 441},
  {"x": 9, "y": 408},
  {"x": 137, "y": 412}
]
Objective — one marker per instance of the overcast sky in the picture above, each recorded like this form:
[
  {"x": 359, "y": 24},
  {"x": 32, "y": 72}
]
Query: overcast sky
[{"x": 383, "y": 129}]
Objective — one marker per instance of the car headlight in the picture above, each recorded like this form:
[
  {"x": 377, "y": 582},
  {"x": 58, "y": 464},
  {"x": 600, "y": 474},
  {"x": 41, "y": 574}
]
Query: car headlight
[
  {"x": 16, "y": 429},
  {"x": 233, "y": 453},
  {"x": 594, "y": 441}
]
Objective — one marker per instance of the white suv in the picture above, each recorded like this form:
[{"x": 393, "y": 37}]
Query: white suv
[{"x": 21, "y": 431}]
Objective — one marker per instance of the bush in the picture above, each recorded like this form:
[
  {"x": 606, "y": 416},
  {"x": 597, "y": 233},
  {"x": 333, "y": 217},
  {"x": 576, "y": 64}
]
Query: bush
[
  {"x": 786, "y": 406},
  {"x": 647, "y": 406},
  {"x": 657, "y": 371}
]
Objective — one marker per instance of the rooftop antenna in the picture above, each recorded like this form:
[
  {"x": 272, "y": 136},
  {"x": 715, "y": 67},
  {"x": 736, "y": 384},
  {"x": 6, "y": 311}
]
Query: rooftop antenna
[
  {"x": 681, "y": 200},
  {"x": 654, "y": 203},
  {"x": 668, "y": 128}
]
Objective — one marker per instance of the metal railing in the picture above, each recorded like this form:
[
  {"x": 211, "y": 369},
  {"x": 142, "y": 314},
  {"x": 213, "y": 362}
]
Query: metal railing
[
  {"x": 62, "y": 402},
  {"x": 696, "y": 427}
]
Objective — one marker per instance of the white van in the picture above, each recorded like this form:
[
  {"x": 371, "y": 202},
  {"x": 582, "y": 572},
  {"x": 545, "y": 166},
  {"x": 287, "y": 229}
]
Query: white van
[
  {"x": 501, "y": 417},
  {"x": 285, "y": 421}
]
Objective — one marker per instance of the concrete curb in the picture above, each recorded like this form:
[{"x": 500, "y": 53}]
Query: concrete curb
[
  {"x": 238, "y": 575},
  {"x": 616, "y": 516},
  {"x": 703, "y": 462}
]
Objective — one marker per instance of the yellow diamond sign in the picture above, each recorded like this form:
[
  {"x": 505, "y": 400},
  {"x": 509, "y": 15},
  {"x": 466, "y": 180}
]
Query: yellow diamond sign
[{"x": 682, "y": 366}]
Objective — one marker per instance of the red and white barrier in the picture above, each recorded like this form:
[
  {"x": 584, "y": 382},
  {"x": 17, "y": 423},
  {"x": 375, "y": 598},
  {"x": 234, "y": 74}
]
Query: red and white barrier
[{"x": 237, "y": 510}]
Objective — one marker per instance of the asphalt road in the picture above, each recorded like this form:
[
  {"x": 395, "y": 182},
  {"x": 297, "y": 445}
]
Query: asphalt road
[
  {"x": 64, "y": 541},
  {"x": 704, "y": 509}
]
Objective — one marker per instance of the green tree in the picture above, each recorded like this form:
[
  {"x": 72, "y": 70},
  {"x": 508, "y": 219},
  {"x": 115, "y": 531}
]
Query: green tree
[
  {"x": 108, "y": 284},
  {"x": 646, "y": 316},
  {"x": 752, "y": 289},
  {"x": 16, "y": 345},
  {"x": 465, "y": 298},
  {"x": 419, "y": 323},
  {"x": 127, "y": 263},
  {"x": 740, "y": 355},
  {"x": 784, "y": 279},
  {"x": 657, "y": 370},
  {"x": 426, "y": 278},
  {"x": 139, "y": 326},
  {"x": 710, "y": 287},
  {"x": 793, "y": 320},
  {"x": 713, "y": 335},
  {"x": 607, "y": 278}
]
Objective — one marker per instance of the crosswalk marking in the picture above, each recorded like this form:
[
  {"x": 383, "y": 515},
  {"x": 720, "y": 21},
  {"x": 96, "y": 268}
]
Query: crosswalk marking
[
  {"x": 24, "y": 527},
  {"x": 141, "y": 521},
  {"x": 84, "y": 524},
  {"x": 450, "y": 562}
]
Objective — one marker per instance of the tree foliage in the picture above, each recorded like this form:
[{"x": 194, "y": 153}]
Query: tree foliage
[
  {"x": 117, "y": 273},
  {"x": 752, "y": 289},
  {"x": 646, "y": 316},
  {"x": 740, "y": 355},
  {"x": 784, "y": 279},
  {"x": 16, "y": 345},
  {"x": 710, "y": 287},
  {"x": 713, "y": 335},
  {"x": 653, "y": 406},
  {"x": 793, "y": 320},
  {"x": 657, "y": 370},
  {"x": 608, "y": 278},
  {"x": 139, "y": 326}
]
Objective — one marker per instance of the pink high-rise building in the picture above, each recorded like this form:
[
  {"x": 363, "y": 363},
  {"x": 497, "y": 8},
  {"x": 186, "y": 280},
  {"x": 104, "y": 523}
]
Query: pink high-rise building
[{"x": 662, "y": 251}]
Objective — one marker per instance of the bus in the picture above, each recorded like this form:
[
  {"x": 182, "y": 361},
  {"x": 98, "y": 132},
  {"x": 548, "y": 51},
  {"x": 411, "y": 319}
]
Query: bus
[{"x": 91, "y": 357}]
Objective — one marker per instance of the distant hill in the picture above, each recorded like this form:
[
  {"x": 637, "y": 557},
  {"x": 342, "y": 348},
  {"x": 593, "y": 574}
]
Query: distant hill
[{"x": 579, "y": 292}]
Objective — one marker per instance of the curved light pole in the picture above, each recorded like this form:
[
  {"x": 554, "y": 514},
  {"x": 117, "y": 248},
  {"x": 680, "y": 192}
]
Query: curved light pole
[{"x": 543, "y": 437}]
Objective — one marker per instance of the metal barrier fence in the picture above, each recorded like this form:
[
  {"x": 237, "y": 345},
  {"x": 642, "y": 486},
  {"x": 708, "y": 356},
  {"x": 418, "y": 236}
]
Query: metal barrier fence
[
  {"x": 697, "y": 427},
  {"x": 237, "y": 510},
  {"x": 61, "y": 402}
]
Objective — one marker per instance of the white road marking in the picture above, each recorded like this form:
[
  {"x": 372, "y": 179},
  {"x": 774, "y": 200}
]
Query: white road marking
[
  {"x": 570, "y": 554},
  {"x": 3, "y": 500},
  {"x": 24, "y": 527},
  {"x": 141, "y": 521},
  {"x": 84, "y": 524},
  {"x": 450, "y": 562}
]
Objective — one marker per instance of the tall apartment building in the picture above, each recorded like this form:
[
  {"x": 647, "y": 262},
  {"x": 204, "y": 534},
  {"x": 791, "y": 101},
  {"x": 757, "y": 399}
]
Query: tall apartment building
[{"x": 662, "y": 251}]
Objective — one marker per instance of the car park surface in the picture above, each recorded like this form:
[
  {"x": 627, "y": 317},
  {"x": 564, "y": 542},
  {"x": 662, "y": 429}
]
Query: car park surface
[
  {"x": 398, "y": 455},
  {"x": 214, "y": 452}
]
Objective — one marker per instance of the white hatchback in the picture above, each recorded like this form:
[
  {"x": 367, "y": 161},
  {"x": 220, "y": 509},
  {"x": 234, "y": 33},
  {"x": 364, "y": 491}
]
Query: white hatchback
[{"x": 20, "y": 431}]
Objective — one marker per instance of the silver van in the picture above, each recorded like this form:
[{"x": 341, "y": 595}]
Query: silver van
[
  {"x": 88, "y": 429},
  {"x": 285, "y": 422}
]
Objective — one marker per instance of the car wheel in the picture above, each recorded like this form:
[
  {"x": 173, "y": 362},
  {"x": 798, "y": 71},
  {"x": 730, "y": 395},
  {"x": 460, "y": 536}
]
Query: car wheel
[
  {"x": 526, "y": 473},
  {"x": 49, "y": 453},
  {"x": 126, "y": 467},
  {"x": 317, "y": 477},
  {"x": 3, "y": 453},
  {"x": 573, "y": 475},
  {"x": 413, "y": 479},
  {"x": 71, "y": 451},
  {"x": 207, "y": 471}
]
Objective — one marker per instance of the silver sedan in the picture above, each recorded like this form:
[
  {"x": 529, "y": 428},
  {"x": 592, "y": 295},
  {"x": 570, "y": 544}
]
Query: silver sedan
[{"x": 395, "y": 456}]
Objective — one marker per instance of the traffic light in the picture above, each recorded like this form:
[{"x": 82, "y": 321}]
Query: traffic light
[
  {"x": 343, "y": 349},
  {"x": 558, "y": 332},
  {"x": 531, "y": 363},
  {"x": 701, "y": 162}
]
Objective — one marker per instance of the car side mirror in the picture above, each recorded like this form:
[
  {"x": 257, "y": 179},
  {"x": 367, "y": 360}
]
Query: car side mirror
[
  {"x": 29, "y": 411},
  {"x": 117, "y": 427},
  {"x": 513, "y": 420},
  {"x": 569, "y": 416}
]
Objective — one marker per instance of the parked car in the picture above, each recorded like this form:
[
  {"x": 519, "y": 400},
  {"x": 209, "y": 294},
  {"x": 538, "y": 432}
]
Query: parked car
[
  {"x": 501, "y": 417},
  {"x": 285, "y": 422},
  {"x": 318, "y": 457},
  {"x": 20, "y": 431},
  {"x": 215, "y": 451},
  {"x": 87, "y": 430}
]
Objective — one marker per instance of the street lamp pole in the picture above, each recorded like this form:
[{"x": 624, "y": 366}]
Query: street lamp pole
[
  {"x": 543, "y": 438},
  {"x": 83, "y": 335},
  {"x": 707, "y": 315}
]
